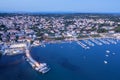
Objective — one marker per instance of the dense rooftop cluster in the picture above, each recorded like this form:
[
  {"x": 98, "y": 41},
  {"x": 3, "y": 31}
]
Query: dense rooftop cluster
[{"x": 17, "y": 28}]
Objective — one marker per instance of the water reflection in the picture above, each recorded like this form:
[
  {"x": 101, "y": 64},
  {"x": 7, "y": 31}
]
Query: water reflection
[{"x": 68, "y": 65}]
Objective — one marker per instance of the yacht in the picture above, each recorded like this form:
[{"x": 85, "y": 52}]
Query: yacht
[{"x": 40, "y": 67}]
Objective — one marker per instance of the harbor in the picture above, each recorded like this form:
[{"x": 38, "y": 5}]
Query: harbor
[
  {"x": 69, "y": 58},
  {"x": 40, "y": 67},
  {"x": 88, "y": 43},
  {"x": 96, "y": 42},
  {"x": 24, "y": 50}
]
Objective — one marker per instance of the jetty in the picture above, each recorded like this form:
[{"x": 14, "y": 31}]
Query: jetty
[
  {"x": 96, "y": 41},
  {"x": 103, "y": 41},
  {"x": 88, "y": 42},
  {"x": 40, "y": 67},
  {"x": 111, "y": 41},
  {"x": 83, "y": 45}
]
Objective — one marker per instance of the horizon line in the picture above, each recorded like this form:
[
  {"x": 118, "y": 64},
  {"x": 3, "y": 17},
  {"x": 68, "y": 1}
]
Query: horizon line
[{"x": 56, "y": 12}]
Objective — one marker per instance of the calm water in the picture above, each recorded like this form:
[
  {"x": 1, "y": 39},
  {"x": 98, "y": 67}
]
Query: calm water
[{"x": 68, "y": 61}]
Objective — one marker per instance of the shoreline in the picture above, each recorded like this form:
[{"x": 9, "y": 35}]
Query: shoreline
[{"x": 71, "y": 40}]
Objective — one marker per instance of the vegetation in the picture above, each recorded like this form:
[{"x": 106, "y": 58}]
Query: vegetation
[
  {"x": 100, "y": 30},
  {"x": 97, "y": 35},
  {"x": 60, "y": 38},
  {"x": 3, "y": 28},
  {"x": 117, "y": 29},
  {"x": 82, "y": 36}
]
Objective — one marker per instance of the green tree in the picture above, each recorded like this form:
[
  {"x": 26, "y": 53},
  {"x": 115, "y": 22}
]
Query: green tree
[
  {"x": 117, "y": 29},
  {"x": 102, "y": 30},
  {"x": 3, "y": 28}
]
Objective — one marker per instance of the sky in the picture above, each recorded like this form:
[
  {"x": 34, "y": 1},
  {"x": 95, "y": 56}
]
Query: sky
[{"x": 82, "y": 6}]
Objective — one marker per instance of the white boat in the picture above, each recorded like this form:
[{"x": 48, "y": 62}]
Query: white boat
[
  {"x": 42, "y": 67},
  {"x": 105, "y": 62},
  {"x": 107, "y": 51},
  {"x": 83, "y": 45}
]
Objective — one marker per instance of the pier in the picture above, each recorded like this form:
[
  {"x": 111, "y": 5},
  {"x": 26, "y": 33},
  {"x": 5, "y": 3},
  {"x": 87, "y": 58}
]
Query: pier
[
  {"x": 111, "y": 41},
  {"x": 88, "y": 42},
  {"x": 96, "y": 42},
  {"x": 103, "y": 41},
  {"x": 40, "y": 67},
  {"x": 83, "y": 45}
]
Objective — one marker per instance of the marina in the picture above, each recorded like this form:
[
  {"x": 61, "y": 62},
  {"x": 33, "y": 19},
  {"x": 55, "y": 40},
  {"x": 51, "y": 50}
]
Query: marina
[
  {"x": 83, "y": 45},
  {"x": 111, "y": 41},
  {"x": 59, "y": 40},
  {"x": 96, "y": 42},
  {"x": 40, "y": 67},
  {"x": 68, "y": 58},
  {"x": 89, "y": 43},
  {"x": 103, "y": 41}
]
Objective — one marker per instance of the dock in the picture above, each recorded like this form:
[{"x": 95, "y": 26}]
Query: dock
[
  {"x": 83, "y": 45},
  {"x": 40, "y": 67}
]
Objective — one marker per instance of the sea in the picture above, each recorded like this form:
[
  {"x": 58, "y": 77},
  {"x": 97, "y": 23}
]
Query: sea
[{"x": 67, "y": 61}]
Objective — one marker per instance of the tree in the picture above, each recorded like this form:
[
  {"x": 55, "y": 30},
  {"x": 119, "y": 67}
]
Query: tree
[
  {"x": 17, "y": 37},
  {"x": 3, "y": 28},
  {"x": 117, "y": 29},
  {"x": 102, "y": 30}
]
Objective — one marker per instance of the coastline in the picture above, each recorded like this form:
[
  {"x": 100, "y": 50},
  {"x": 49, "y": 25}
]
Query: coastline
[{"x": 69, "y": 40}]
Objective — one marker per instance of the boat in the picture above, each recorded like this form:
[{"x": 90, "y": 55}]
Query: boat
[
  {"x": 40, "y": 67},
  {"x": 43, "y": 68},
  {"x": 105, "y": 62},
  {"x": 107, "y": 51},
  {"x": 83, "y": 45}
]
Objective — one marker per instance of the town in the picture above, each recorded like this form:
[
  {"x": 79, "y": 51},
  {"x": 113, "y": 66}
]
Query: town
[{"x": 17, "y": 29}]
